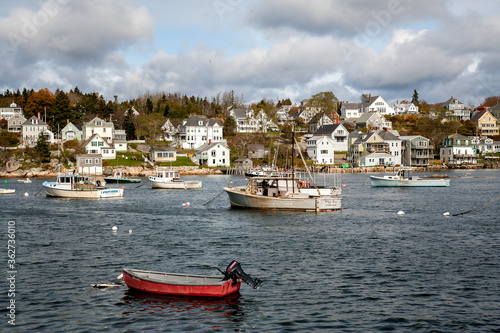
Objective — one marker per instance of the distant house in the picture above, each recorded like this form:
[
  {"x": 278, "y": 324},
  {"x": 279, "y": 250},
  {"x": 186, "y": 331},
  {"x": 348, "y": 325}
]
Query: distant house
[
  {"x": 243, "y": 163},
  {"x": 163, "y": 154},
  {"x": 485, "y": 122},
  {"x": 197, "y": 131},
  {"x": 377, "y": 158},
  {"x": 15, "y": 122},
  {"x": 350, "y": 110},
  {"x": 89, "y": 164},
  {"x": 457, "y": 149},
  {"x": 120, "y": 141},
  {"x": 10, "y": 111},
  {"x": 72, "y": 132},
  {"x": 214, "y": 155},
  {"x": 457, "y": 108},
  {"x": 363, "y": 144},
  {"x": 393, "y": 143},
  {"x": 495, "y": 111},
  {"x": 405, "y": 107},
  {"x": 373, "y": 121},
  {"x": 105, "y": 129},
  {"x": 484, "y": 145},
  {"x": 257, "y": 151},
  {"x": 376, "y": 104},
  {"x": 169, "y": 130},
  {"x": 308, "y": 109},
  {"x": 416, "y": 151},
  {"x": 32, "y": 128},
  {"x": 98, "y": 145},
  {"x": 337, "y": 132},
  {"x": 320, "y": 119},
  {"x": 252, "y": 121},
  {"x": 320, "y": 149}
]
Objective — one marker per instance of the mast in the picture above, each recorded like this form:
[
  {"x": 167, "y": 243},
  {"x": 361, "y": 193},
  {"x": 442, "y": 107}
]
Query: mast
[{"x": 293, "y": 153}]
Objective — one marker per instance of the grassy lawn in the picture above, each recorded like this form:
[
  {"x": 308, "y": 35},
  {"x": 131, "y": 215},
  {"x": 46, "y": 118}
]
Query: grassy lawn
[
  {"x": 181, "y": 161},
  {"x": 125, "y": 159}
]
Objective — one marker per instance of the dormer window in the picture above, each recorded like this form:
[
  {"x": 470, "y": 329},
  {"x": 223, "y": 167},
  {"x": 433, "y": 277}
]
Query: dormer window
[{"x": 200, "y": 123}]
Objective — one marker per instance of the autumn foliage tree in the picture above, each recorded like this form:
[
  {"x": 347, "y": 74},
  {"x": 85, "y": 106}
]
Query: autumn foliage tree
[{"x": 39, "y": 102}]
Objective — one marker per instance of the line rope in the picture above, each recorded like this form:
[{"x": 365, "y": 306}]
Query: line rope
[{"x": 476, "y": 208}]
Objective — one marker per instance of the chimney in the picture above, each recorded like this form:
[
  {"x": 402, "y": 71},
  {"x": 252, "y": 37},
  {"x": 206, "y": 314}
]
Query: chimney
[
  {"x": 67, "y": 121},
  {"x": 370, "y": 96},
  {"x": 38, "y": 115}
]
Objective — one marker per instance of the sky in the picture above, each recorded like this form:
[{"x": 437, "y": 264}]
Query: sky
[{"x": 260, "y": 49}]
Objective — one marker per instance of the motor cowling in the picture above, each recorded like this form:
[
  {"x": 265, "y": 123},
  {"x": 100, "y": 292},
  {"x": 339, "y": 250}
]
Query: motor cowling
[{"x": 235, "y": 272}]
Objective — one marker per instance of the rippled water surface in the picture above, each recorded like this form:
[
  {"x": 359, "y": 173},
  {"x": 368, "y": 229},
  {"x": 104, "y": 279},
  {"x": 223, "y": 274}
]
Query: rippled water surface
[{"x": 365, "y": 268}]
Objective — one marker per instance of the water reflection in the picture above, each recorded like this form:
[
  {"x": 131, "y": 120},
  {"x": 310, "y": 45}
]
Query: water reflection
[{"x": 209, "y": 313}]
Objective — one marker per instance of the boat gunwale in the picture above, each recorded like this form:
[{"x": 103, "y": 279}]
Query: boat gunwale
[{"x": 136, "y": 274}]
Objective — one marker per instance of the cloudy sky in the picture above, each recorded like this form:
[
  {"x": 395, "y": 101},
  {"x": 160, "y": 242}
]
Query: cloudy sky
[{"x": 270, "y": 49}]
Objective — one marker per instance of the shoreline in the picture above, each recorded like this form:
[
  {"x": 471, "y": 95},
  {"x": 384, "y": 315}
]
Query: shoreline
[{"x": 195, "y": 170}]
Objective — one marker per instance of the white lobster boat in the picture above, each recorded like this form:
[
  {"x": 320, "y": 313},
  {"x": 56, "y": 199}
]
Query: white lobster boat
[
  {"x": 404, "y": 178},
  {"x": 72, "y": 185},
  {"x": 170, "y": 179},
  {"x": 284, "y": 193}
]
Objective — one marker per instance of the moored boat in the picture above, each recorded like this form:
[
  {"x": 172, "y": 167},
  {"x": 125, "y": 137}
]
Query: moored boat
[
  {"x": 7, "y": 191},
  {"x": 284, "y": 193},
  {"x": 72, "y": 185},
  {"x": 404, "y": 177},
  {"x": 119, "y": 177},
  {"x": 26, "y": 181},
  {"x": 170, "y": 179},
  {"x": 189, "y": 284}
]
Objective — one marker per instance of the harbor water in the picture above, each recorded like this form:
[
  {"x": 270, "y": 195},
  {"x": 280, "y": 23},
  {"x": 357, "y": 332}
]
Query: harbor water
[{"x": 363, "y": 269}]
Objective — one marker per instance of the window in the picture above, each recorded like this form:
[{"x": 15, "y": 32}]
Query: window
[
  {"x": 213, "y": 152},
  {"x": 88, "y": 161},
  {"x": 96, "y": 161},
  {"x": 324, "y": 152}
]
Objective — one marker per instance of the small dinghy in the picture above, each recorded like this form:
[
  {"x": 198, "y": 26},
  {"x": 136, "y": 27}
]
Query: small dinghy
[{"x": 189, "y": 284}]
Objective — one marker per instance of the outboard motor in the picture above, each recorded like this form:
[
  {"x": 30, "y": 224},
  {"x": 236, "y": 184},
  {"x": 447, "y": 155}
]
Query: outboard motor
[{"x": 235, "y": 272}]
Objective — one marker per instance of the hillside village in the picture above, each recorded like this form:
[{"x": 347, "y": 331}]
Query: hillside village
[{"x": 368, "y": 133}]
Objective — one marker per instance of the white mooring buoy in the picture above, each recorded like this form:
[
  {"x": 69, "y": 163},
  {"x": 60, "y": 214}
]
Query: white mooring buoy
[
  {"x": 446, "y": 214},
  {"x": 401, "y": 212},
  {"x": 114, "y": 228}
]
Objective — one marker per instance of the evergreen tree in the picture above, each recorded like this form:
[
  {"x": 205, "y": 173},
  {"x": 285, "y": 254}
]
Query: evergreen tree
[
  {"x": 128, "y": 125},
  {"x": 61, "y": 111},
  {"x": 229, "y": 127},
  {"x": 414, "y": 99},
  {"x": 41, "y": 150}
]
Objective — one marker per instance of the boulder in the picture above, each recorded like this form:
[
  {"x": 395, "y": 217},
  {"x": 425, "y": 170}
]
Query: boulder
[{"x": 12, "y": 165}]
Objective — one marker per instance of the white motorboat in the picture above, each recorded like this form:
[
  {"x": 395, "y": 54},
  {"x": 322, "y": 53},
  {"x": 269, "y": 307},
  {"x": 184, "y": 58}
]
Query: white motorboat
[
  {"x": 7, "y": 191},
  {"x": 26, "y": 181},
  {"x": 170, "y": 179},
  {"x": 404, "y": 177},
  {"x": 72, "y": 185}
]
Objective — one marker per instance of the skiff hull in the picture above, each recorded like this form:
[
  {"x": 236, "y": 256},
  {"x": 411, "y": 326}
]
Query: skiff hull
[
  {"x": 177, "y": 185},
  {"x": 179, "y": 284}
]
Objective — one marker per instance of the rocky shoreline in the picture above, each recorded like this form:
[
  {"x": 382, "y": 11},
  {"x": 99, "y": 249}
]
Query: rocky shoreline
[{"x": 15, "y": 170}]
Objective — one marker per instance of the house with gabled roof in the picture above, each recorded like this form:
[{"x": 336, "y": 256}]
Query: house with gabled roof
[
  {"x": 320, "y": 149},
  {"x": 486, "y": 123},
  {"x": 319, "y": 120},
  {"x": 72, "y": 132},
  {"x": 350, "y": 110},
  {"x": 89, "y": 164},
  {"x": 394, "y": 144},
  {"x": 15, "y": 122},
  {"x": 376, "y": 104},
  {"x": 31, "y": 130},
  {"x": 457, "y": 108},
  {"x": 215, "y": 154},
  {"x": 99, "y": 145},
  {"x": 11, "y": 110},
  {"x": 416, "y": 151},
  {"x": 163, "y": 154},
  {"x": 196, "y": 131},
  {"x": 405, "y": 107},
  {"x": 377, "y": 158},
  {"x": 457, "y": 149},
  {"x": 363, "y": 144},
  {"x": 373, "y": 121},
  {"x": 337, "y": 132},
  {"x": 105, "y": 129},
  {"x": 252, "y": 121},
  {"x": 495, "y": 111}
]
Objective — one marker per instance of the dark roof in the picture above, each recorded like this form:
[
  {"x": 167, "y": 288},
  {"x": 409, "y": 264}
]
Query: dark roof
[
  {"x": 388, "y": 135},
  {"x": 326, "y": 129},
  {"x": 451, "y": 101},
  {"x": 161, "y": 148},
  {"x": 194, "y": 121}
]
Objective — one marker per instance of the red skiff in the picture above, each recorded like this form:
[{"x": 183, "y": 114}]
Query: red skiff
[{"x": 180, "y": 284}]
